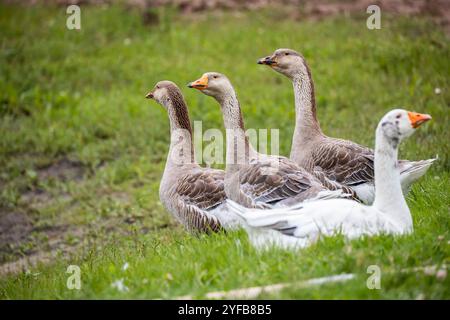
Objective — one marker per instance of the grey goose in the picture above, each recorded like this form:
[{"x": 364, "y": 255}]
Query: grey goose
[{"x": 339, "y": 160}]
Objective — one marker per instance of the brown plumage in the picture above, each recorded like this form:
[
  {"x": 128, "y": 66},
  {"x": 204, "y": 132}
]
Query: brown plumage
[
  {"x": 344, "y": 161},
  {"x": 189, "y": 192},
  {"x": 333, "y": 161},
  {"x": 180, "y": 107},
  {"x": 253, "y": 179},
  {"x": 286, "y": 185},
  {"x": 199, "y": 191}
]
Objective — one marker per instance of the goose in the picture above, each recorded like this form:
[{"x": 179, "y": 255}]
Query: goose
[
  {"x": 193, "y": 195},
  {"x": 253, "y": 179},
  {"x": 340, "y": 160},
  {"x": 300, "y": 225}
]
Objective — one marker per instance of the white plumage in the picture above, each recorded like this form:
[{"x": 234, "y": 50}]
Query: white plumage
[{"x": 302, "y": 224}]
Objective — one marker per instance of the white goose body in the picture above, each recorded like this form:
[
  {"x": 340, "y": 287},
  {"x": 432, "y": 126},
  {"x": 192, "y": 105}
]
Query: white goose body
[
  {"x": 302, "y": 224},
  {"x": 339, "y": 160}
]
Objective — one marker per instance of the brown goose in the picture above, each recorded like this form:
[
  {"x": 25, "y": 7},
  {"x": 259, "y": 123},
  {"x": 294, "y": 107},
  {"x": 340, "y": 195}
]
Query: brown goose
[
  {"x": 253, "y": 179},
  {"x": 193, "y": 195},
  {"x": 339, "y": 160}
]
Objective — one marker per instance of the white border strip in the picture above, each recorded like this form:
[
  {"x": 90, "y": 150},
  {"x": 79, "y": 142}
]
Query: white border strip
[{"x": 253, "y": 292}]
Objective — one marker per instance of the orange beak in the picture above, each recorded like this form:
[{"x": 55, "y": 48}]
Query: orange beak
[
  {"x": 199, "y": 84},
  {"x": 417, "y": 119}
]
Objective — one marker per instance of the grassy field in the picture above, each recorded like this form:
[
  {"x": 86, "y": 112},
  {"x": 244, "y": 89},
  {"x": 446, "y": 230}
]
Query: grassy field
[{"x": 82, "y": 151}]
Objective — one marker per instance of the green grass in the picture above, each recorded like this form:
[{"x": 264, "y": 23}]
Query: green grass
[{"x": 79, "y": 95}]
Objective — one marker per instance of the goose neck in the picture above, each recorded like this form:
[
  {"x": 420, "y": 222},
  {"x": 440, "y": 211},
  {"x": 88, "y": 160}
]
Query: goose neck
[
  {"x": 388, "y": 192},
  {"x": 305, "y": 104},
  {"x": 307, "y": 127},
  {"x": 181, "y": 150},
  {"x": 239, "y": 149},
  {"x": 231, "y": 109}
]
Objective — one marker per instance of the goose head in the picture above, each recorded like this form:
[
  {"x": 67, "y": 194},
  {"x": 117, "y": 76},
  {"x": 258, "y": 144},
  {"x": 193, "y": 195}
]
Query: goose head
[
  {"x": 213, "y": 84},
  {"x": 285, "y": 61},
  {"x": 399, "y": 124},
  {"x": 162, "y": 92}
]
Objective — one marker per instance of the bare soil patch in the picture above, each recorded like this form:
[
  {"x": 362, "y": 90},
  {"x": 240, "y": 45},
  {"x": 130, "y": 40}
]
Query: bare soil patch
[
  {"x": 63, "y": 169},
  {"x": 15, "y": 228},
  {"x": 18, "y": 228},
  {"x": 34, "y": 196},
  {"x": 22, "y": 235},
  {"x": 26, "y": 263}
]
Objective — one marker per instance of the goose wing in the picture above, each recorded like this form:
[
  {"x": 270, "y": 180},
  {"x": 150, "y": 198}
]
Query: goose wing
[
  {"x": 344, "y": 161},
  {"x": 334, "y": 185},
  {"x": 276, "y": 179},
  {"x": 198, "y": 193}
]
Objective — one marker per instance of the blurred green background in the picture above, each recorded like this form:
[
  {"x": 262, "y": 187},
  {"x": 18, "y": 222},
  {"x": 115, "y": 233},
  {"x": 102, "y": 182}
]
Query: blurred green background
[{"x": 82, "y": 151}]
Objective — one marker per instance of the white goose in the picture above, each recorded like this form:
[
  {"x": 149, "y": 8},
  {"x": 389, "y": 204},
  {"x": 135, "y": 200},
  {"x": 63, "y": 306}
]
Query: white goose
[
  {"x": 300, "y": 225},
  {"x": 253, "y": 179},
  {"x": 344, "y": 161}
]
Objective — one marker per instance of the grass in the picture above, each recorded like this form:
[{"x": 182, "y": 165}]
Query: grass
[{"x": 82, "y": 151}]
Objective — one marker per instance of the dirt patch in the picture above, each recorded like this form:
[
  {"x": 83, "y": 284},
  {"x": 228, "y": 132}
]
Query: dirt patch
[
  {"x": 36, "y": 198},
  {"x": 26, "y": 263},
  {"x": 15, "y": 228},
  {"x": 63, "y": 169},
  {"x": 22, "y": 235},
  {"x": 41, "y": 253}
]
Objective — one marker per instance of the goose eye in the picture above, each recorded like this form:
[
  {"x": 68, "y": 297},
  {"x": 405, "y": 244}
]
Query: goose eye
[
  {"x": 215, "y": 77},
  {"x": 157, "y": 87},
  {"x": 286, "y": 53},
  {"x": 398, "y": 116}
]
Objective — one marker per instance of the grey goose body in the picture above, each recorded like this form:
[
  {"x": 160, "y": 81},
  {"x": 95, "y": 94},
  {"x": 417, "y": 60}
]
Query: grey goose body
[
  {"x": 336, "y": 160},
  {"x": 194, "y": 195},
  {"x": 252, "y": 179}
]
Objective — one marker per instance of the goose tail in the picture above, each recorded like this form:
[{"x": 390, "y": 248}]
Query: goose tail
[
  {"x": 269, "y": 228},
  {"x": 263, "y": 217},
  {"x": 249, "y": 214},
  {"x": 414, "y": 170},
  {"x": 238, "y": 209}
]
